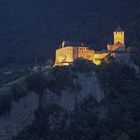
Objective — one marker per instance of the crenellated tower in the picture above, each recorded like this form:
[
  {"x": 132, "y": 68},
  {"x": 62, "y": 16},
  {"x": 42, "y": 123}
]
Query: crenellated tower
[{"x": 119, "y": 36}]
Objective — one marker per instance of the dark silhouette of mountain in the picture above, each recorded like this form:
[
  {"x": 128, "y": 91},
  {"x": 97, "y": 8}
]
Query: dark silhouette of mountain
[{"x": 32, "y": 29}]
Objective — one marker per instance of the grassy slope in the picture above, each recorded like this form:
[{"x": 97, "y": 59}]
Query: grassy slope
[{"x": 6, "y": 87}]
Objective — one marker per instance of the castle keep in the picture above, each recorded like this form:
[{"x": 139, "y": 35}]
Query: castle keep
[{"x": 68, "y": 53}]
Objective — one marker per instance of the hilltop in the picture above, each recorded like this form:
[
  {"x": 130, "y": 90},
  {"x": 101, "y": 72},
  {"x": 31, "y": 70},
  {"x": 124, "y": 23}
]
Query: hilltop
[{"x": 65, "y": 101}]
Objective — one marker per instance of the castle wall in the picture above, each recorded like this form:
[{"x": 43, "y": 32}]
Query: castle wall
[
  {"x": 64, "y": 55},
  {"x": 85, "y": 53},
  {"x": 68, "y": 54},
  {"x": 97, "y": 59},
  {"x": 110, "y": 47}
]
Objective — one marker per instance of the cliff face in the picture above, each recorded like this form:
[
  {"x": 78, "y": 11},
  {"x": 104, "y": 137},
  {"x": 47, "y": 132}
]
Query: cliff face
[
  {"x": 89, "y": 86},
  {"x": 22, "y": 113},
  {"x": 125, "y": 58}
]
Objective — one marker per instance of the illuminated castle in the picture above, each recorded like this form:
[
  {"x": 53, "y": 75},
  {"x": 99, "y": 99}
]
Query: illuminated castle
[{"x": 68, "y": 53}]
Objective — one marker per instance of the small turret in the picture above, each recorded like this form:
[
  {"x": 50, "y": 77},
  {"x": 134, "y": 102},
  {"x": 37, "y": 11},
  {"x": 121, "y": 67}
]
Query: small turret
[{"x": 63, "y": 43}]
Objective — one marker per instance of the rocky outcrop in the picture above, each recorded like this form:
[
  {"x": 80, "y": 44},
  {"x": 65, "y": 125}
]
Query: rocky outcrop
[
  {"x": 21, "y": 115},
  {"x": 89, "y": 86},
  {"x": 125, "y": 58}
]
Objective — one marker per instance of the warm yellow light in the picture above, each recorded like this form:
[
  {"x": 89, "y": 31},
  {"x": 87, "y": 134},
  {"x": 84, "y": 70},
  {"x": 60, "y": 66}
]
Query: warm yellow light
[{"x": 68, "y": 54}]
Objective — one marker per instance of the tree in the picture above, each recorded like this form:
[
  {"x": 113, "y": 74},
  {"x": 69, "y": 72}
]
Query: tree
[
  {"x": 5, "y": 103},
  {"x": 82, "y": 65},
  {"x": 37, "y": 83},
  {"x": 17, "y": 91},
  {"x": 76, "y": 88}
]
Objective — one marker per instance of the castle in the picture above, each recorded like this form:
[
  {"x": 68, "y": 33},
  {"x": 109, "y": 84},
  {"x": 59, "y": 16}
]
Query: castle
[{"x": 68, "y": 53}]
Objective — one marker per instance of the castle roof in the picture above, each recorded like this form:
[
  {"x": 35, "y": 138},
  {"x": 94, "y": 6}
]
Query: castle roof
[
  {"x": 118, "y": 44},
  {"x": 75, "y": 44},
  {"x": 119, "y": 29}
]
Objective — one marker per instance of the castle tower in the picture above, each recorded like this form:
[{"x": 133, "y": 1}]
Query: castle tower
[{"x": 119, "y": 36}]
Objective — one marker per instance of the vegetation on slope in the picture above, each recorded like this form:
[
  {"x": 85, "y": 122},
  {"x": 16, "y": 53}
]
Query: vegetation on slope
[
  {"x": 56, "y": 80},
  {"x": 112, "y": 119},
  {"x": 11, "y": 89},
  {"x": 116, "y": 117},
  {"x": 10, "y": 93}
]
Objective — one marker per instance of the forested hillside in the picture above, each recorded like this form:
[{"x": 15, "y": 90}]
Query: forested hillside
[{"x": 35, "y": 28}]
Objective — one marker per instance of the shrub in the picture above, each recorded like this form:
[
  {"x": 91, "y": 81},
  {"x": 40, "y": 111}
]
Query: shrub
[
  {"x": 5, "y": 103},
  {"x": 36, "y": 82},
  {"x": 83, "y": 65},
  {"x": 17, "y": 91},
  {"x": 63, "y": 78}
]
